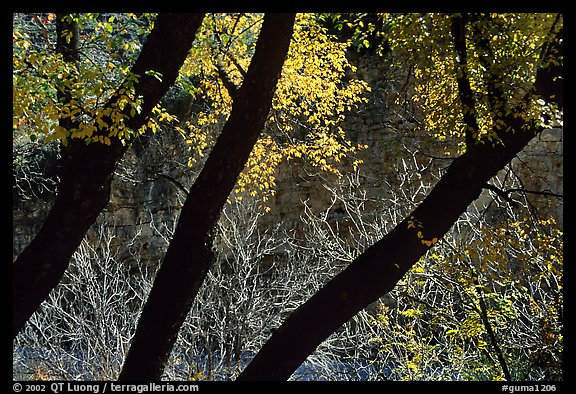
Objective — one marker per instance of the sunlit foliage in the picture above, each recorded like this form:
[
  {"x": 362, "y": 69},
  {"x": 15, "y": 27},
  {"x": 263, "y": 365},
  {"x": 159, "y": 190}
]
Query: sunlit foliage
[
  {"x": 506, "y": 279},
  {"x": 503, "y": 52},
  {"x": 313, "y": 95},
  {"x": 312, "y": 98},
  {"x": 41, "y": 77}
]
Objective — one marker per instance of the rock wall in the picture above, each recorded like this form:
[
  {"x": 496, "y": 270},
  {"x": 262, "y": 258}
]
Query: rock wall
[
  {"x": 150, "y": 182},
  {"x": 396, "y": 145}
]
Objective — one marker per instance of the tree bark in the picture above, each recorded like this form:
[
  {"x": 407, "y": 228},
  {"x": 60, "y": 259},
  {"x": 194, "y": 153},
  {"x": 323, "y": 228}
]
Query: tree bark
[
  {"x": 465, "y": 93},
  {"x": 189, "y": 254},
  {"x": 376, "y": 271},
  {"x": 87, "y": 171}
]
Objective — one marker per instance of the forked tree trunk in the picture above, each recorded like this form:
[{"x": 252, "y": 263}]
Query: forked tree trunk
[
  {"x": 87, "y": 171},
  {"x": 376, "y": 271},
  {"x": 189, "y": 254}
]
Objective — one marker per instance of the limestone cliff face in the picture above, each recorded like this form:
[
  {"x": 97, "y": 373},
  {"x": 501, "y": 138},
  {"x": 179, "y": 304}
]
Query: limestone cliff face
[
  {"x": 151, "y": 180},
  {"x": 396, "y": 144},
  {"x": 147, "y": 194}
]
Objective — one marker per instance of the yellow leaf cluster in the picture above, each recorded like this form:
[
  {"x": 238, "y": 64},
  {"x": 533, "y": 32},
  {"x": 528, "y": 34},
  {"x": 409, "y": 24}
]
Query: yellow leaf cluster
[
  {"x": 60, "y": 100},
  {"x": 502, "y": 53},
  {"x": 311, "y": 99},
  {"x": 258, "y": 178}
]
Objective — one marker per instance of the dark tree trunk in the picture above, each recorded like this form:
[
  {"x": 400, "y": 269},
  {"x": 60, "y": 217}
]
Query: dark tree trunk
[
  {"x": 376, "y": 271},
  {"x": 465, "y": 92},
  {"x": 189, "y": 255},
  {"x": 87, "y": 171}
]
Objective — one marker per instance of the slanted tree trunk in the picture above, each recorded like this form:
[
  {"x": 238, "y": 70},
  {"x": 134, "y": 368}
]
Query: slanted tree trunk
[
  {"x": 87, "y": 171},
  {"x": 189, "y": 254},
  {"x": 376, "y": 271}
]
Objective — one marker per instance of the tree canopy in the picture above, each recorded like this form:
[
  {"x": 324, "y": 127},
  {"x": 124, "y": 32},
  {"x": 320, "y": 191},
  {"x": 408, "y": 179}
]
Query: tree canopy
[
  {"x": 313, "y": 95},
  {"x": 260, "y": 90}
]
